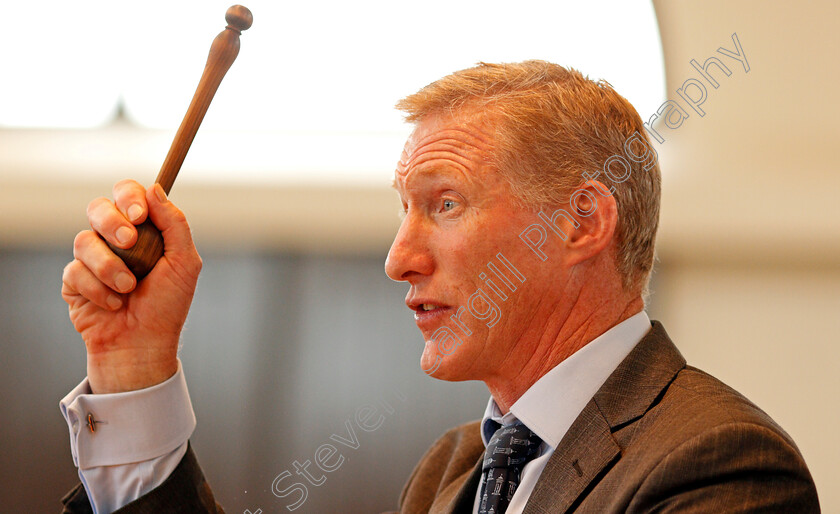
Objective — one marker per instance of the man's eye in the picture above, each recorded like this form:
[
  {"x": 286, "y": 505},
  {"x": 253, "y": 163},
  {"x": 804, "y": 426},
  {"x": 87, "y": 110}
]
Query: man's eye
[{"x": 448, "y": 205}]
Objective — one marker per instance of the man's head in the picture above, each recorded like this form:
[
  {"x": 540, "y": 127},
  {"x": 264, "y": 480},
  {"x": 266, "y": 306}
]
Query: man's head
[
  {"x": 551, "y": 125},
  {"x": 493, "y": 146}
]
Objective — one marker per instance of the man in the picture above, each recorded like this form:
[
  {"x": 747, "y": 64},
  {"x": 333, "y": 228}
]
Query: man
[{"x": 531, "y": 200}]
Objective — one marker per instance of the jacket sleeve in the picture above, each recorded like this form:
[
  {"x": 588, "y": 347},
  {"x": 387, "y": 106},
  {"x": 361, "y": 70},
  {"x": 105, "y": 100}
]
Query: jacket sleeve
[{"x": 185, "y": 491}]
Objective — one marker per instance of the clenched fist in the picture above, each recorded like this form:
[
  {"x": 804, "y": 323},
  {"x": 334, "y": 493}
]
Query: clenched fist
[{"x": 131, "y": 330}]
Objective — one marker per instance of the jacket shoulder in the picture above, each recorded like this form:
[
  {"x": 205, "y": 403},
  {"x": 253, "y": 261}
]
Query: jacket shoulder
[
  {"x": 704, "y": 447},
  {"x": 701, "y": 402},
  {"x": 443, "y": 470}
]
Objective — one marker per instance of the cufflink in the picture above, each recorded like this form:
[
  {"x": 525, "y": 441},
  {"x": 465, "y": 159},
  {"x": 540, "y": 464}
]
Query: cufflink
[{"x": 92, "y": 423}]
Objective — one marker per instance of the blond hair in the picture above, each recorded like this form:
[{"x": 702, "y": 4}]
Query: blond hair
[{"x": 552, "y": 125}]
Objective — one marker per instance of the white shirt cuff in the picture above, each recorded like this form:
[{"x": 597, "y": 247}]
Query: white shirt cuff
[
  {"x": 110, "y": 488},
  {"x": 130, "y": 427}
]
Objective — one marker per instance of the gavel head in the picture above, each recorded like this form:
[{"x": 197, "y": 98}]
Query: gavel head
[{"x": 239, "y": 18}]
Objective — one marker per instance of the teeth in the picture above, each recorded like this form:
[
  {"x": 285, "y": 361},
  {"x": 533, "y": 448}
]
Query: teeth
[{"x": 429, "y": 306}]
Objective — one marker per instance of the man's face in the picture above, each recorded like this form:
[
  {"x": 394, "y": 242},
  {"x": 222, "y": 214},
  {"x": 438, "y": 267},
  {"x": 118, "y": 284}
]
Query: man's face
[{"x": 459, "y": 215}]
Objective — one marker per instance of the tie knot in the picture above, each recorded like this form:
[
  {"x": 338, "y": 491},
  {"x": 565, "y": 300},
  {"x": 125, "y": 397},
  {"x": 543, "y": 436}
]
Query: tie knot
[{"x": 511, "y": 446}]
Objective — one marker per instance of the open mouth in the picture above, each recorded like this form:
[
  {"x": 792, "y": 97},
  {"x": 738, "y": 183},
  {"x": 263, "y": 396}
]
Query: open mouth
[
  {"x": 423, "y": 306},
  {"x": 428, "y": 315}
]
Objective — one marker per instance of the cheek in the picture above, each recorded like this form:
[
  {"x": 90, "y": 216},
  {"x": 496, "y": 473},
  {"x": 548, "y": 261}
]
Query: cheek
[
  {"x": 460, "y": 254},
  {"x": 496, "y": 298},
  {"x": 516, "y": 279},
  {"x": 492, "y": 268}
]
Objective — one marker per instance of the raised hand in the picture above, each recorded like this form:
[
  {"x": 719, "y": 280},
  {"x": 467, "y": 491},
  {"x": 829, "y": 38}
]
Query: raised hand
[{"x": 131, "y": 330}]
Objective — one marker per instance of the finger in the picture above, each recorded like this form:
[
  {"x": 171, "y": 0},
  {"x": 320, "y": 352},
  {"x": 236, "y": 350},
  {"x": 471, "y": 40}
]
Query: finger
[
  {"x": 177, "y": 237},
  {"x": 105, "y": 266},
  {"x": 130, "y": 199},
  {"x": 110, "y": 223},
  {"x": 170, "y": 220},
  {"x": 80, "y": 285}
]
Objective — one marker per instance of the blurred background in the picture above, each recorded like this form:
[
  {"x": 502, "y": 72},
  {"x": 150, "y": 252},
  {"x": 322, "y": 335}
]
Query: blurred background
[{"x": 295, "y": 326}]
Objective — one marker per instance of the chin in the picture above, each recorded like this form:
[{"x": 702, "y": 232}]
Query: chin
[{"x": 451, "y": 368}]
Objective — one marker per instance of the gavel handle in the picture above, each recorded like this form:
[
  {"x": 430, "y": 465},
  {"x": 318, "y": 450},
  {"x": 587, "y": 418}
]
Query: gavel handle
[{"x": 142, "y": 257}]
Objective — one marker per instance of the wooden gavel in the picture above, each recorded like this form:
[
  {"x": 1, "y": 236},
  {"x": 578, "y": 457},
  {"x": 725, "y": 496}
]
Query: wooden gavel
[{"x": 148, "y": 249}]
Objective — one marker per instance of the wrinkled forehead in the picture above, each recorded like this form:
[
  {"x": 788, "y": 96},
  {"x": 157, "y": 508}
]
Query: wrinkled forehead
[{"x": 464, "y": 143}]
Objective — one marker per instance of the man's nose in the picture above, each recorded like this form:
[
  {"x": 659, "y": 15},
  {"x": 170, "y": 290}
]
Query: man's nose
[{"x": 410, "y": 253}]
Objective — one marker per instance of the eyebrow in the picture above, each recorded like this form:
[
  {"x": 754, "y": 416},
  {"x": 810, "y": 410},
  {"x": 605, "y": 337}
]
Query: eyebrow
[{"x": 435, "y": 172}]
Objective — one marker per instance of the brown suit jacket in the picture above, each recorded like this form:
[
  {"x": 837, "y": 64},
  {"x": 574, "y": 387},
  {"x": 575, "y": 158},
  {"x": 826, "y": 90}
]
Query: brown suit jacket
[{"x": 659, "y": 436}]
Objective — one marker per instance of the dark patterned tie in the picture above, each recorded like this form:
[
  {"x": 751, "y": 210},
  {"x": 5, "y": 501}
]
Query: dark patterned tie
[{"x": 511, "y": 447}]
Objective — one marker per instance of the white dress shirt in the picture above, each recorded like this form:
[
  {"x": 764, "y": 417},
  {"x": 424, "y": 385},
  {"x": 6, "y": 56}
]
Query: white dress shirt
[
  {"x": 139, "y": 439},
  {"x": 551, "y": 405}
]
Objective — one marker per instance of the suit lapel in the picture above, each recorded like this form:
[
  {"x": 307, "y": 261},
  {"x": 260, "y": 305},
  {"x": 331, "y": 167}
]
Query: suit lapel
[
  {"x": 640, "y": 379},
  {"x": 588, "y": 449},
  {"x": 463, "y": 502}
]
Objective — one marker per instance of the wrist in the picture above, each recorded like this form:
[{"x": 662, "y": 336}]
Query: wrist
[{"x": 106, "y": 376}]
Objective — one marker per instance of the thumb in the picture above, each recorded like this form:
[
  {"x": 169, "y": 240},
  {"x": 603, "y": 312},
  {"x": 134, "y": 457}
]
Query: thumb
[{"x": 177, "y": 238}]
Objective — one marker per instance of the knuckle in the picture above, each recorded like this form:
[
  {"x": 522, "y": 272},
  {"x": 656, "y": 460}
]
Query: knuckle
[
  {"x": 73, "y": 278},
  {"x": 99, "y": 267},
  {"x": 68, "y": 272},
  {"x": 179, "y": 217},
  {"x": 95, "y": 204},
  {"x": 126, "y": 183},
  {"x": 128, "y": 191},
  {"x": 80, "y": 241}
]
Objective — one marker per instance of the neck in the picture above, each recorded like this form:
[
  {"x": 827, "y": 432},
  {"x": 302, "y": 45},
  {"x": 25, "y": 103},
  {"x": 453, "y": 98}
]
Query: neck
[{"x": 564, "y": 336}]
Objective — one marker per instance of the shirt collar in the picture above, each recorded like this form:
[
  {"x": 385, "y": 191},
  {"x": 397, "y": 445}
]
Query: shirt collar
[{"x": 552, "y": 403}]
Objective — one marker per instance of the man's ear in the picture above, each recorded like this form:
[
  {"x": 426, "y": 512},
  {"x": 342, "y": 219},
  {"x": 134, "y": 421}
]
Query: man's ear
[{"x": 597, "y": 215}]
